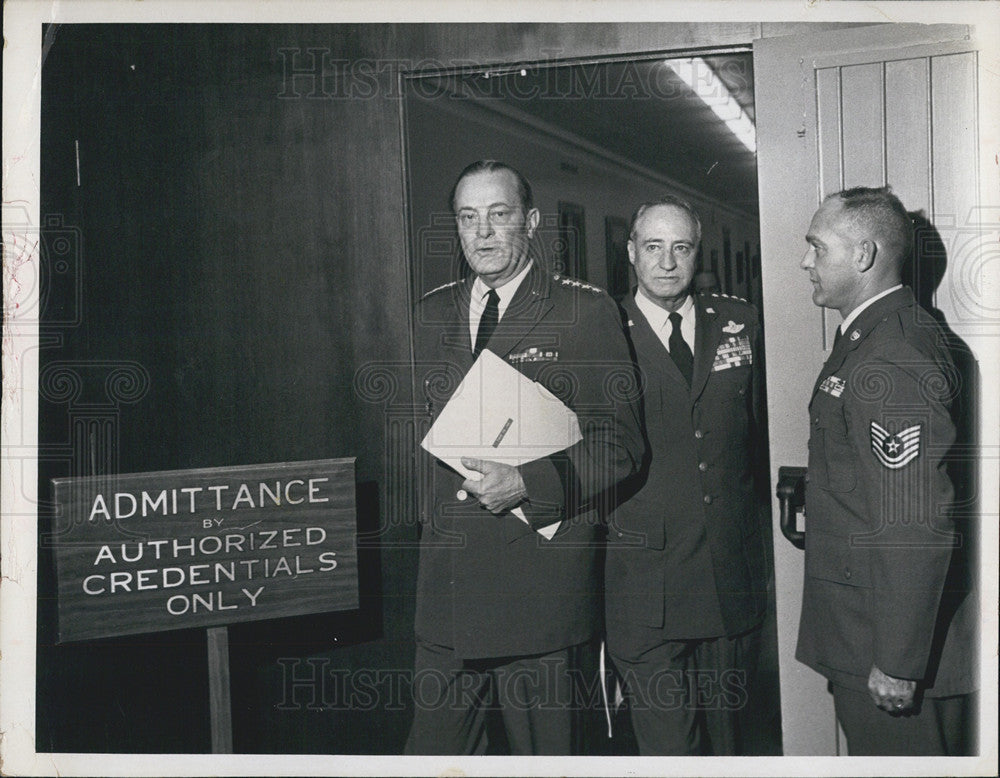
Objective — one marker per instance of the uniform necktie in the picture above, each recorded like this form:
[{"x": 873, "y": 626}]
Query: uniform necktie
[
  {"x": 488, "y": 321},
  {"x": 836, "y": 339},
  {"x": 679, "y": 350}
]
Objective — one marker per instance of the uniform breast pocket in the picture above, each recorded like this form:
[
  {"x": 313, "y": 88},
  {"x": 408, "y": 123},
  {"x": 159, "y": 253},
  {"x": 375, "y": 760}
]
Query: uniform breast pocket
[
  {"x": 837, "y": 471},
  {"x": 741, "y": 389}
]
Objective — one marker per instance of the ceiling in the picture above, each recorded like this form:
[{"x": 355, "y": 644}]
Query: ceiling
[{"x": 639, "y": 110}]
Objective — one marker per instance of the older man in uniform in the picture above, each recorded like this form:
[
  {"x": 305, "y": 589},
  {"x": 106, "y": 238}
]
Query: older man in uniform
[
  {"x": 884, "y": 617},
  {"x": 500, "y": 608},
  {"x": 686, "y": 575}
]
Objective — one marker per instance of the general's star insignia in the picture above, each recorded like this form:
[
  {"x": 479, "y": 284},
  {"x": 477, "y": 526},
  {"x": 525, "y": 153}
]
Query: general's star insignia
[{"x": 894, "y": 450}]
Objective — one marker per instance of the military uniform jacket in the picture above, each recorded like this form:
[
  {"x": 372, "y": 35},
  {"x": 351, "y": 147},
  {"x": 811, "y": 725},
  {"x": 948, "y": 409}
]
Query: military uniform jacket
[
  {"x": 685, "y": 555},
  {"x": 488, "y": 585},
  {"x": 879, "y": 528}
]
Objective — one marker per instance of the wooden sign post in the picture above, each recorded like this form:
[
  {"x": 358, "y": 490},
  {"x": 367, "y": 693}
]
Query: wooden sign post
[
  {"x": 220, "y": 707},
  {"x": 148, "y": 552}
]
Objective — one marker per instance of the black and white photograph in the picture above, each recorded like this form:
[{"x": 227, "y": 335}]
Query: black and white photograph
[{"x": 527, "y": 388}]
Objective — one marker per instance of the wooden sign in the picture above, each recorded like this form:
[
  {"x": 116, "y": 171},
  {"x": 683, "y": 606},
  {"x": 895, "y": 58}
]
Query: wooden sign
[{"x": 148, "y": 552}]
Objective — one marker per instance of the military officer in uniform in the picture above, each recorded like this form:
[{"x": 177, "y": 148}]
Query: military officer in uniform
[
  {"x": 885, "y": 617},
  {"x": 685, "y": 570},
  {"x": 500, "y": 607}
]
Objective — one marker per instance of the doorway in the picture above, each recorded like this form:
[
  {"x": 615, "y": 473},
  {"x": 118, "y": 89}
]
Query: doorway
[{"x": 595, "y": 138}]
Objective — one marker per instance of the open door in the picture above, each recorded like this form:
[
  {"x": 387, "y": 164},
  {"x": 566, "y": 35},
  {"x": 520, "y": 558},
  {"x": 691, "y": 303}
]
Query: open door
[{"x": 896, "y": 104}]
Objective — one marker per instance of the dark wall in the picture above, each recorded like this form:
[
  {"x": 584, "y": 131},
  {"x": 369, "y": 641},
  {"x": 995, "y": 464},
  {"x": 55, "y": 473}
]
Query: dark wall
[
  {"x": 237, "y": 262},
  {"x": 233, "y": 252}
]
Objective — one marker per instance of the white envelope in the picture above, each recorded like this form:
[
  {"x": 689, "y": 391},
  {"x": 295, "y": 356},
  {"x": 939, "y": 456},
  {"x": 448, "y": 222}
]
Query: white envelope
[{"x": 499, "y": 414}]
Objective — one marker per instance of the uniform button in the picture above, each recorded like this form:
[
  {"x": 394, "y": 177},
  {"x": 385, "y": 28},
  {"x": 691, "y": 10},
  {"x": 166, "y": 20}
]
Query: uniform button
[
  {"x": 708, "y": 499},
  {"x": 815, "y": 419},
  {"x": 621, "y": 534},
  {"x": 703, "y": 466},
  {"x": 699, "y": 434},
  {"x": 847, "y": 572},
  {"x": 807, "y": 479}
]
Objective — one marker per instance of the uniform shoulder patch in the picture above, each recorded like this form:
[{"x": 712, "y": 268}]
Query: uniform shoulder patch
[
  {"x": 441, "y": 288},
  {"x": 895, "y": 450}
]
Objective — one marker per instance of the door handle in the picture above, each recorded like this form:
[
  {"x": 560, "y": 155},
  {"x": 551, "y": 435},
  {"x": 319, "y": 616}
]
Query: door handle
[{"x": 791, "y": 499}]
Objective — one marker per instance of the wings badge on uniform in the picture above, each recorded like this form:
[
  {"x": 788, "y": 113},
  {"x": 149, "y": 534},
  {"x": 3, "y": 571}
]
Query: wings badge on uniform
[{"x": 894, "y": 450}]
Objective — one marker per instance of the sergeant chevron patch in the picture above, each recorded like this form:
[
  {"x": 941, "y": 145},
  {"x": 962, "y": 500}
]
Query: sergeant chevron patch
[{"x": 895, "y": 450}]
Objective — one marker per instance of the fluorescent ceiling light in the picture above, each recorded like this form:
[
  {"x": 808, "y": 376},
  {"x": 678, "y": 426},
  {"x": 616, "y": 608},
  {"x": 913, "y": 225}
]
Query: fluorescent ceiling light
[{"x": 701, "y": 79}]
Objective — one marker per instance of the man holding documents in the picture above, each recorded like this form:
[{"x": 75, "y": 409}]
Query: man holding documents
[
  {"x": 686, "y": 575},
  {"x": 508, "y": 583}
]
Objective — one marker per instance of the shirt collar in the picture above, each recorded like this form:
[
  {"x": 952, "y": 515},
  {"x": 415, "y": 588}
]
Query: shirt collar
[
  {"x": 505, "y": 293},
  {"x": 849, "y": 319},
  {"x": 657, "y": 316}
]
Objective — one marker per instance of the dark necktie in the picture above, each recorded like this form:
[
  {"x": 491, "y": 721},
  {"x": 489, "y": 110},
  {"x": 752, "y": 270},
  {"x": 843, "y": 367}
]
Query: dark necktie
[
  {"x": 488, "y": 322},
  {"x": 679, "y": 350}
]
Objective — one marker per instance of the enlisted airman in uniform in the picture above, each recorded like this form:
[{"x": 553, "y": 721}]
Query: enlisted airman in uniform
[{"x": 886, "y": 616}]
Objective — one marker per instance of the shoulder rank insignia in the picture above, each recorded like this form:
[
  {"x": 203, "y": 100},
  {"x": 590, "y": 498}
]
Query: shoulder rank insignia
[
  {"x": 833, "y": 385},
  {"x": 732, "y": 328},
  {"x": 894, "y": 450},
  {"x": 576, "y": 284},
  {"x": 729, "y": 296},
  {"x": 442, "y": 287}
]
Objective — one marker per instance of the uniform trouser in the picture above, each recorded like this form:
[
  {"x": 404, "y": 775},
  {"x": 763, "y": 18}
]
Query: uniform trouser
[
  {"x": 686, "y": 696},
  {"x": 940, "y": 726},
  {"x": 451, "y": 697}
]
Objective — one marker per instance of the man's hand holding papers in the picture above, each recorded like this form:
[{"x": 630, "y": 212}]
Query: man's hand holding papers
[{"x": 501, "y": 487}]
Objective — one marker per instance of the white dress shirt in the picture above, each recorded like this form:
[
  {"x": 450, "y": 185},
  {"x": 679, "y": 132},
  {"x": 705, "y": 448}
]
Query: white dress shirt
[
  {"x": 659, "y": 319},
  {"x": 477, "y": 301}
]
